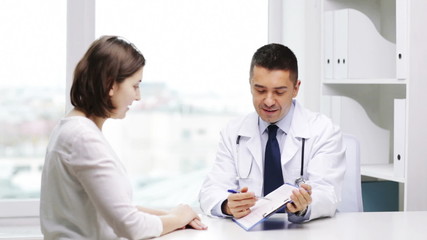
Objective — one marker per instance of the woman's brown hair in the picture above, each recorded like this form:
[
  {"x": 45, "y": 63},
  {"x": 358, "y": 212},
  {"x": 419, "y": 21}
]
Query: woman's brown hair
[{"x": 109, "y": 59}]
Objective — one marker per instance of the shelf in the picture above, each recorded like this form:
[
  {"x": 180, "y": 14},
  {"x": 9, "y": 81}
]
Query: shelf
[
  {"x": 364, "y": 81},
  {"x": 383, "y": 171}
]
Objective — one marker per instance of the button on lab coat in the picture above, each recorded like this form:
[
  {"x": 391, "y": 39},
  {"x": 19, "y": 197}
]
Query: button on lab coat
[{"x": 239, "y": 161}]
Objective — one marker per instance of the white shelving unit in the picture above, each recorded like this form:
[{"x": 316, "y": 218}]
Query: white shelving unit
[
  {"x": 382, "y": 171},
  {"x": 363, "y": 81},
  {"x": 370, "y": 50}
]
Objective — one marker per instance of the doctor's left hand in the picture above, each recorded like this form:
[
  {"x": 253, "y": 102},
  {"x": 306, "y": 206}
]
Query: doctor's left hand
[{"x": 301, "y": 198}]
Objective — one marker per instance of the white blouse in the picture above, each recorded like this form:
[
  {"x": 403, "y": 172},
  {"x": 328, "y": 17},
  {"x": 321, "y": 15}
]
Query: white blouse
[{"x": 85, "y": 191}]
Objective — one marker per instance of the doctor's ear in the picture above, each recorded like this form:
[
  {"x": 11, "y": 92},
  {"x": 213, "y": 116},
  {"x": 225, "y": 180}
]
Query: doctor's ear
[{"x": 296, "y": 88}]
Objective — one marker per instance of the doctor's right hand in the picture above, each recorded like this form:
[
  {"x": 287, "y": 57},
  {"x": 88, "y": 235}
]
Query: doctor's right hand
[{"x": 238, "y": 204}]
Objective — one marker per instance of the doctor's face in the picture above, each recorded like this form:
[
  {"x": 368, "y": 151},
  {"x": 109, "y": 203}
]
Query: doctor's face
[{"x": 272, "y": 93}]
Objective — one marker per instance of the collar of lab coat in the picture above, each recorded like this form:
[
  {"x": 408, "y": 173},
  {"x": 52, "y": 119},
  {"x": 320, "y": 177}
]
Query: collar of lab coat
[
  {"x": 299, "y": 129},
  {"x": 299, "y": 126}
]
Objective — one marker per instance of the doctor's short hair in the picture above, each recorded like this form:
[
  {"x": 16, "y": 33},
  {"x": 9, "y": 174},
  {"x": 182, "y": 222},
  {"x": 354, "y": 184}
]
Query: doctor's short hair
[
  {"x": 275, "y": 56},
  {"x": 109, "y": 59}
]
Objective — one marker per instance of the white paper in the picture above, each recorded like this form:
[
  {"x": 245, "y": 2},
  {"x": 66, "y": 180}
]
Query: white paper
[{"x": 264, "y": 207}]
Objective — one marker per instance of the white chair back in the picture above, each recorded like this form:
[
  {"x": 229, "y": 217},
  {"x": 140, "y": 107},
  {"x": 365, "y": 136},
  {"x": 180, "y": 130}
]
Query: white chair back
[{"x": 352, "y": 186}]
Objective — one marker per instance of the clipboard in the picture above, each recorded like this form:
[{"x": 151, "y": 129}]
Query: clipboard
[{"x": 267, "y": 206}]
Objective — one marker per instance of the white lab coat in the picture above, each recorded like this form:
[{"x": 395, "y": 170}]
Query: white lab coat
[{"x": 240, "y": 163}]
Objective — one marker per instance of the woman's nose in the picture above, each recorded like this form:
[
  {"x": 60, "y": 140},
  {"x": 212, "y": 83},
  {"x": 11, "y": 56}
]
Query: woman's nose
[{"x": 138, "y": 96}]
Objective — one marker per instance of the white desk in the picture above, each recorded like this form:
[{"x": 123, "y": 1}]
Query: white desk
[
  {"x": 368, "y": 225},
  {"x": 347, "y": 226}
]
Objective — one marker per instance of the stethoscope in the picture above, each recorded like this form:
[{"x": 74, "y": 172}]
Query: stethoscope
[{"x": 299, "y": 180}]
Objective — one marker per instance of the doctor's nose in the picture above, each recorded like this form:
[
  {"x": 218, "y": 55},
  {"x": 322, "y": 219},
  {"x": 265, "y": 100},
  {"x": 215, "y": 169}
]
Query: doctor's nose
[{"x": 269, "y": 100}]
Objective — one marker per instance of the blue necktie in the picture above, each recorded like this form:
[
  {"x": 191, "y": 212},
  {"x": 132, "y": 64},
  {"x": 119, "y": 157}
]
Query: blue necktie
[{"x": 273, "y": 177}]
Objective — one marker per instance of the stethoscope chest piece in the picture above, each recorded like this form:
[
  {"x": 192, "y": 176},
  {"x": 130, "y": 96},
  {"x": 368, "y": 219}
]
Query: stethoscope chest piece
[{"x": 299, "y": 181}]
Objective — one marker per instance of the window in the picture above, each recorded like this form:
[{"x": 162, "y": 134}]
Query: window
[
  {"x": 32, "y": 90},
  {"x": 196, "y": 79}
]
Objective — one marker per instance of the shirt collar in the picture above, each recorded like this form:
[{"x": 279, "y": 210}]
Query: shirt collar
[{"x": 284, "y": 124}]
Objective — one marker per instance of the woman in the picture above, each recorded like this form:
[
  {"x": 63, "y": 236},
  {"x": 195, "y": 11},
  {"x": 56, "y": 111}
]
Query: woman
[{"x": 85, "y": 193}]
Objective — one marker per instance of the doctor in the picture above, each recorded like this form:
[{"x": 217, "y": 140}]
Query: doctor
[{"x": 309, "y": 148}]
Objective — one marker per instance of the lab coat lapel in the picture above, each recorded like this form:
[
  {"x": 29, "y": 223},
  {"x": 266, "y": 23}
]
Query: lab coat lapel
[
  {"x": 290, "y": 149},
  {"x": 250, "y": 131},
  {"x": 299, "y": 129}
]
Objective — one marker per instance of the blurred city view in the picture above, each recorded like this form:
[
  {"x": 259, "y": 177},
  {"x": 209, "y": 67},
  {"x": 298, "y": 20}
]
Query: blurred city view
[
  {"x": 27, "y": 117},
  {"x": 167, "y": 141}
]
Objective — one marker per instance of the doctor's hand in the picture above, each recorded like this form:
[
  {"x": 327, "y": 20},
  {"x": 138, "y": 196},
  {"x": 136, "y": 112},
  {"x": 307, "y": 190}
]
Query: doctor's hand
[
  {"x": 301, "y": 198},
  {"x": 238, "y": 204}
]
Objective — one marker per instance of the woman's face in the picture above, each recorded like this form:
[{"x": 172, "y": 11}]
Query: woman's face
[{"x": 123, "y": 94}]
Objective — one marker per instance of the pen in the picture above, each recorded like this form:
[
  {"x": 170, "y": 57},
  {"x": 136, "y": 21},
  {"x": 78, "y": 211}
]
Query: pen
[
  {"x": 232, "y": 191},
  {"x": 235, "y": 191}
]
